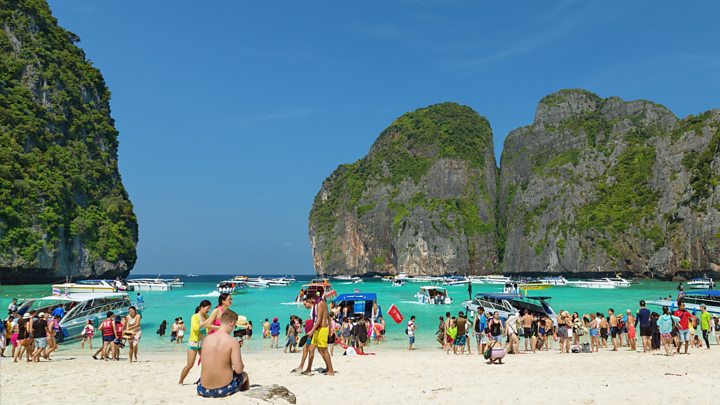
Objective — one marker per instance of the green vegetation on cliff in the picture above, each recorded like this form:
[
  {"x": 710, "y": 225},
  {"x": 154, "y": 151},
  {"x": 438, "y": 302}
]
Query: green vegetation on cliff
[{"x": 58, "y": 146}]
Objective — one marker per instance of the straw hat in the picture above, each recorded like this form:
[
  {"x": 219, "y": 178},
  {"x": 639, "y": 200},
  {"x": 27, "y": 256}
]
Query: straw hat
[
  {"x": 41, "y": 315},
  {"x": 242, "y": 322}
]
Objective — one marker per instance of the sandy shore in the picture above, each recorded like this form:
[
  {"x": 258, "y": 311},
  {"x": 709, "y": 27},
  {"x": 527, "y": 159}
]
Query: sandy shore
[{"x": 390, "y": 376}]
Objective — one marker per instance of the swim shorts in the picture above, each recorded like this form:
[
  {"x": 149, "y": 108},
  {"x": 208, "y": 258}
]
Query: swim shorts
[
  {"x": 645, "y": 330},
  {"x": 527, "y": 332},
  {"x": 234, "y": 386},
  {"x": 108, "y": 338},
  {"x": 194, "y": 345},
  {"x": 411, "y": 339},
  {"x": 41, "y": 343},
  {"x": 613, "y": 332},
  {"x": 684, "y": 335},
  {"x": 460, "y": 340},
  {"x": 320, "y": 337}
]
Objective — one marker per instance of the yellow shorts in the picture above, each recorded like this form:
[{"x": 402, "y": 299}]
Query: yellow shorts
[{"x": 320, "y": 337}]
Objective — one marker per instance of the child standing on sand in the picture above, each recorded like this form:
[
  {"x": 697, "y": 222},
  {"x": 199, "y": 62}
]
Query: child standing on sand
[{"x": 87, "y": 334}]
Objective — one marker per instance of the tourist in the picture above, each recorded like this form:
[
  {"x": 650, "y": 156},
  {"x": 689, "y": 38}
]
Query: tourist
[
  {"x": 621, "y": 330},
  {"x": 289, "y": 335},
  {"x": 594, "y": 332},
  {"x": 460, "y": 338},
  {"x": 683, "y": 326},
  {"x": 448, "y": 339},
  {"x": 511, "y": 331},
  {"x": 13, "y": 331},
  {"x": 133, "y": 332},
  {"x": 631, "y": 331},
  {"x": 452, "y": 333},
  {"x": 266, "y": 329},
  {"x": 665, "y": 325},
  {"x": 180, "y": 331},
  {"x": 139, "y": 300},
  {"x": 198, "y": 323},
  {"x": 654, "y": 331},
  {"x": 604, "y": 327},
  {"x": 4, "y": 335},
  {"x": 361, "y": 333},
  {"x": 320, "y": 333},
  {"x": 12, "y": 307},
  {"x": 696, "y": 342},
  {"x": 613, "y": 321},
  {"x": 40, "y": 334},
  {"x": 716, "y": 326},
  {"x": 274, "y": 333},
  {"x": 119, "y": 342},
  {"x": 224, "y": 302},
  {"x": 174, "y": 330},
  {"x": 705, "y": 324},
  {"x": 222, "y": 369},
  {"x": 53, "y": 333},
  {"x": 23, "y": 336},
  {"x": 534, "y": 331},
  {"x": 162, "y": 328},
  {"x": 526, "y": 322},
  {"x": 107, "y": 328},
  {"x": 87, "y": 334},
  {"x": 308, "y": 302},
  {"x": 549, "y": 331},
  {"x": 643, "y": 318},
  {"x": 346, "y": 332},
  {"x": 480, "y": 330},
  {"x": 249, "y": 331},
  {"x": 496, "y": 327},
  {"x": 564, "y": 331},
  {"x": 440, "y": 333},
  {"x": 541, "y": 333}
]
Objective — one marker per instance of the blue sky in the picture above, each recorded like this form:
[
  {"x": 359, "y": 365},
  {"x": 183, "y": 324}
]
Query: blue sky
[{"x": 231, "y": 114}]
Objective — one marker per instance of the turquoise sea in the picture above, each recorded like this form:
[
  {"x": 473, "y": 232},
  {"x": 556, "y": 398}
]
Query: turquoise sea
[{"x": 258, "y": 304}]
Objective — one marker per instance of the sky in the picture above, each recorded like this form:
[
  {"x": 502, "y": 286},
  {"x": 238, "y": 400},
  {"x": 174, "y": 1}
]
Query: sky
[{"x": 231, "y": 114}]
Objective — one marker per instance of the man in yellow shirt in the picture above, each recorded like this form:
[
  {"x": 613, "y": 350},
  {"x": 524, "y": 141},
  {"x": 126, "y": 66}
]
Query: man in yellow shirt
[{"x": 705, "y": 319}]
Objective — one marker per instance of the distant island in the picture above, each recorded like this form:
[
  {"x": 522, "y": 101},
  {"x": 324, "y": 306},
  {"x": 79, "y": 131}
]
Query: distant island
[
  {"x": 63, "y": 208},
  {"x": 593, "y": 185}
]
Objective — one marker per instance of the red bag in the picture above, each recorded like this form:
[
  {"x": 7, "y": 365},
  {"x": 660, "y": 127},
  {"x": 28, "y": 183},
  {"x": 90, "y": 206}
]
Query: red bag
[{"x": 395, "y": 314}]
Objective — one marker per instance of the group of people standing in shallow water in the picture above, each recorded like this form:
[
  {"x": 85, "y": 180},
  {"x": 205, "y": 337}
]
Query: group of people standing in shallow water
[{"x": 495, "y": 337}]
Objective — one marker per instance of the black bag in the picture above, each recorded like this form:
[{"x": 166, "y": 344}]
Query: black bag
[
  {"x": 539, "y": 344},
  {"x": 586, "y": 348}
]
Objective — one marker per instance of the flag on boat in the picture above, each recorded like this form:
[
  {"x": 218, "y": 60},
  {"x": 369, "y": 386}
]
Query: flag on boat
[
  {"x": 395, "y": 314},
  {"x": 56, "y": 291}
]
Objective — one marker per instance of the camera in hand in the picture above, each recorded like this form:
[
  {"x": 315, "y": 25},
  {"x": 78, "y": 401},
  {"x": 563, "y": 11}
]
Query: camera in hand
[{"x": 241, "y": 333}]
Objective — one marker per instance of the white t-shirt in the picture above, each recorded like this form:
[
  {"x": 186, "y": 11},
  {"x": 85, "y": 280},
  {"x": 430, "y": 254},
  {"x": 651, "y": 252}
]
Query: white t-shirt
[
  {"x": 411, "y": 328},
  {"x": 512, "y": 323}
]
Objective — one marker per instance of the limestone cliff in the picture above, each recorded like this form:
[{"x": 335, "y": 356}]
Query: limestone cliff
[
  {"x": 605, "y": 185},
  {"x": 63, "y": 208},
  {"x": 422, "y": 201}
]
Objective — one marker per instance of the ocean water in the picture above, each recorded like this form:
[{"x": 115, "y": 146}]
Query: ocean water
[{"x": 258, "y": 304}]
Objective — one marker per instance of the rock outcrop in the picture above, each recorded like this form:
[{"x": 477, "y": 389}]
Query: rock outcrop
[
  {"x": 605, "y": 185},
  {"x": 421, "y": 202},
  {"x": 63, "y": 208}
]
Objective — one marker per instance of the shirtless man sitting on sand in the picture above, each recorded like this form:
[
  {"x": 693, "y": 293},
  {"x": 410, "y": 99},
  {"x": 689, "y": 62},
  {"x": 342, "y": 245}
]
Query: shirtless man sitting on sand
[{"x": 222, "y": 367}]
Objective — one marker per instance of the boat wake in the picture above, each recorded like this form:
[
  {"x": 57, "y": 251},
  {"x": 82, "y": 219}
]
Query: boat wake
[
  {"x": 290, "y": 303},
  {"x": 210, "y": 294}
]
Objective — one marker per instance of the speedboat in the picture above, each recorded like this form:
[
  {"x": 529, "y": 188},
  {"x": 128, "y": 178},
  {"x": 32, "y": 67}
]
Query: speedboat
[
  {"x": 557, "y": 280},
  {"x": 693, "y": 300},
  {"x": 79, "y": 308},
  {"x": 257, "y": 282},
  {"x": 92, "y": 286},
  {"x": 424, "y": 279},
  {"x": 533, "y": 285},
  {"x": 508, "y": 304},
  {"x": 173, "y": 282},
  {"x": 433, "y": 295},
  {"x": 455, "y": 281},
  {"x": 491, "y": 279},
  {"x": 277, "y": 282},
  {"x": 398, "y": 283},
  {"x": 619, "y": 281},
  {"x": 232, "y": 286},
  {"x": 149, "y": 284},
  {"x": 358, "y": 304},
  {"x": 701, "y": 283},
  {"x": 601, "y": 283},
  {"x": 343, "y": 278},
  {"x": 390, "y": 278}
]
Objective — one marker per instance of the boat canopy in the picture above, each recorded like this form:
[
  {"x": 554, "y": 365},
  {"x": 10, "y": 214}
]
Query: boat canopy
[
  {"x": 356, "y": 297},
  {"x": 80, "y": 297},
  {"x": 499, "y": 296}
]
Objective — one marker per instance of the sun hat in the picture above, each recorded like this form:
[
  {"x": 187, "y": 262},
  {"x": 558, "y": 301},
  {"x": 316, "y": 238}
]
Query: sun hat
[
  {"x": 41, "y": 315},
  {"x": 241, "y": 322},
  {"x": 26, "y": 316}
]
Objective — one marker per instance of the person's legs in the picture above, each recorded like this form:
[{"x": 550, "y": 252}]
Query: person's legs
[
  {"x": 705, "y": 337},
  {"x": 311, "y": 357},
  {"x": 328, "y": 361},
  {"x": 191, "y": 355}
]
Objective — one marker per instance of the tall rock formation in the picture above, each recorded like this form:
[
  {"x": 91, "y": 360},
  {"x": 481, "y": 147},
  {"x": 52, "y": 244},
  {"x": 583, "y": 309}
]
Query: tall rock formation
[
  {"x": 421, "y": 202},
  {"x": 605, "y": 185},
  {"x": 63, "y": 209}
]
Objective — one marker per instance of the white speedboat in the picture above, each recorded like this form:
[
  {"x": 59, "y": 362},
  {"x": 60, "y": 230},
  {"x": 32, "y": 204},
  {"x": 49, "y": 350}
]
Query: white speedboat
[
  {"x": 79, "y": 308},
  {"x": 343, "y": 278},
  {"x": 257, "y": 282},
  {"x": 455, "y": 281},
  {"x": 701, "y": 283},
  {"x": 424, "y": 279},
  {"x": 92, "y": 286},
  {"x": 619, "y": 281},
  {"x": 389, "y": 278},
  {"x": 398, "y": 283},
  {"x": 597, "y": 284},
  {"x": 491, "y": 279},
  {"x": 149, "y": 284},
  {"x": 277, "y": 282},
  {"x": 232, "y": 286},
  {"x": 556, "y": 280},
  {"x": 433, "y": 295},
  {"x": 173, "y": 282},
  {"x": 508, "y": 304}
]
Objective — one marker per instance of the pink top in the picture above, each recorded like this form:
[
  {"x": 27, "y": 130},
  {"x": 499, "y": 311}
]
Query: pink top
[{"x": 216, "y": 322}]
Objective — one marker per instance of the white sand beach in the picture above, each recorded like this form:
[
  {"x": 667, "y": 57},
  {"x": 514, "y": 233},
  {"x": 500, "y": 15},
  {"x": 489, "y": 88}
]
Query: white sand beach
[{"x": 390, "y": 376}]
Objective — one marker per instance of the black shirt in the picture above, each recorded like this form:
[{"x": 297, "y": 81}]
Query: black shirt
[
  {"x": 22, "y": 331},
  {"x": 39, "y": 328}
]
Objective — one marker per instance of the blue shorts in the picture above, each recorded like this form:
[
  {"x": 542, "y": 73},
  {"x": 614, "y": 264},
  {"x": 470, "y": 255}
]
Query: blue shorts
[
  {"x": 593, "y": 332},
  {"x": 41, "y": 343},
  {"x": 460, "y": 340},
  {"x": 684, "y": 335},
  {"x": 411, "y": 339},
  {"x": 108, "y": 338},
  {"x": 234, "y": 386}
]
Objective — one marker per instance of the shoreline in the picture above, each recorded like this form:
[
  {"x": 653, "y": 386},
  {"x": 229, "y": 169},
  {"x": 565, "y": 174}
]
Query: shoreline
[{"x": 398, "y": 375}]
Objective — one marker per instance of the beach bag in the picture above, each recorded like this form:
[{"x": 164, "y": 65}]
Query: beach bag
[
  {"x": 539, "y": 344},
  {"x": 586, "y": 348},
  {"x": 487, "y": 354},
  {"x": 576, "y": 349}
]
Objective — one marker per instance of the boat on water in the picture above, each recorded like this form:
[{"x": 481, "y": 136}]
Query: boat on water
[
  {"x": 79, "y": 308},
  {"x": 398, "y": 283},
  {"x": 149, "y": 284},
  {"x": 491, "y": 279},
  {"x": 455, "y": 281},
  {"x": 433, "y": 295},
  {"x": 508, "y": 304},
  {"x": 174, "y": 282},
  {"x": 693, "y": 300},
  {"x": 619, "y": 281},
  {"x": 232, "y": 286},
  {"x": 257, "y": 282},
  {"x": 324, "y": 290},
  {"x": 343, "y": 278},
  {"x": 277, "y": 282},
  {"x": 93, "y": 286},
  {"x": 353, "y": 280},
  {"x": 423, "y": 279},
  {"x": 358, "y": 304},
  {"x": 603, "y": 283},
  {"x": 554, "y": 280},
  {"x": 701, "y": 283},
  {"x": 389, "y": 278},
  {"x": 191, "y": 275}
]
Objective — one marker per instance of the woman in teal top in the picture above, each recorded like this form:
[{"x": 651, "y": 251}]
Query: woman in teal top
[{"x": 665, "y": 323}]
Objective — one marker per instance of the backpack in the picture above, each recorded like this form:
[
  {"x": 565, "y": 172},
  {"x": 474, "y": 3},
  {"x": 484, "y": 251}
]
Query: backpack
[{"x": 586, "y": 348}]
